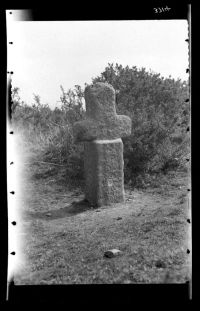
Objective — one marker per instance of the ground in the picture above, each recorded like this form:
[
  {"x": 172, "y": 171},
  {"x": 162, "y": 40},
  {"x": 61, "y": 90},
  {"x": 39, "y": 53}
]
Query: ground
[{"x": 64, "y": 238}]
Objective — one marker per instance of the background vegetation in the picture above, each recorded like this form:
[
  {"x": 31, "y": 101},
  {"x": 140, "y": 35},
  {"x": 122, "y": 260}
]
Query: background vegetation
[{"x": 158, "y": 107}]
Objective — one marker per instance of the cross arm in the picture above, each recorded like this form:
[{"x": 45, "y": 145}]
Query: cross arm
[
  {"x": 85, "y": 130},
  {"x": 123, "y": 125},
  {"x": 88, "y": 130}
]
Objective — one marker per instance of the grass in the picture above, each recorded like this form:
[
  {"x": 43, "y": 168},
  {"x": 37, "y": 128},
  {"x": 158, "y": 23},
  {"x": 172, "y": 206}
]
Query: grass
[{"x": 65, "y": 237}]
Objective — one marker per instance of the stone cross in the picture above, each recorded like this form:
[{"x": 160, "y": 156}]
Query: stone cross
[{"x": 101, "y": 133}]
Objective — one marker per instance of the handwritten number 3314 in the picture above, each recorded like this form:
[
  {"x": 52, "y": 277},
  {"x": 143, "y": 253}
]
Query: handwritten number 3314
[{"x": 159, "y": 10}]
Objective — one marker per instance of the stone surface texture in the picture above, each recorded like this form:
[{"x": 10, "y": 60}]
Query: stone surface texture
[
  {"x": 103, "y": 149},
  {"x": 102, "y": 121},
  {"x": 104, "y": 172}
]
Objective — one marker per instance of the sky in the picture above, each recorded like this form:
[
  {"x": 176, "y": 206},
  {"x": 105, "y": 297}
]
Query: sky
[{"x": 45, "y": 55}]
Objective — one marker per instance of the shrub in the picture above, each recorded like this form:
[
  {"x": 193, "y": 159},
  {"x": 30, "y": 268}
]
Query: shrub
[
  {"x": 51, "y": 131},
  {"x": 160, "y": 114},
  {"x": 159, "y": 111}
]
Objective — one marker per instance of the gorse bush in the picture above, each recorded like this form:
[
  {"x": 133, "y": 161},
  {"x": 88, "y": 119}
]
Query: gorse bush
[
  {"x": 158, "y": 107},
  {"x": 159, "y": 111},
  {"x": 50, "y": 132}
]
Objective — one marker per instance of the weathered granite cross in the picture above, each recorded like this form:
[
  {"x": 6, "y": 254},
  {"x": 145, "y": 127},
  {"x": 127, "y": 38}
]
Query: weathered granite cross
[{"x": 101, "y": 133}]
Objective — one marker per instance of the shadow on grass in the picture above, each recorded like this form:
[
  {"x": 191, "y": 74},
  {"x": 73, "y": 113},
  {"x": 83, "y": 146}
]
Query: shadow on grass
[{"x": 69, "y": 210}]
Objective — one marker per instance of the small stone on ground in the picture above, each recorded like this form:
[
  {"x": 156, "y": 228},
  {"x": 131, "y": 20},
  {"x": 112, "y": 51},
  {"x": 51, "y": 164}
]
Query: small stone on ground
[{"x": 112, "y": 253}]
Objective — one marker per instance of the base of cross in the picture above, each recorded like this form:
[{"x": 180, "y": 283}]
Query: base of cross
[{"x": 104, "y": 175}]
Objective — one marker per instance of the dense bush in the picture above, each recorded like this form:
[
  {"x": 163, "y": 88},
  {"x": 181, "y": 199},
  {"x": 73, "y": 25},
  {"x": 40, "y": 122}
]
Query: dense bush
[
  {"x": 160, "y": 115},
  {"x": 50, "y": 132},
  {"x": 159, "y": 111}
]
